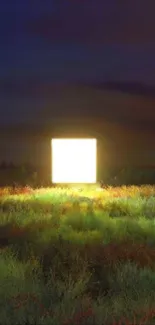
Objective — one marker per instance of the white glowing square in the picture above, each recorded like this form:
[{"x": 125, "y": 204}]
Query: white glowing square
[{"x": 74, "y": 160}]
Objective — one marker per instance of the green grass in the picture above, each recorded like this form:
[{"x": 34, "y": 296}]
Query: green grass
[{"x": 77, "y": 256}]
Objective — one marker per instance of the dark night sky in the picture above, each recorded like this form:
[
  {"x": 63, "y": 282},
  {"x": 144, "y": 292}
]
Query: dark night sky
[{"x": 48, "y": 43}]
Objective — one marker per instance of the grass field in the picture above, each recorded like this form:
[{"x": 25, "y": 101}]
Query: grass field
[{"x": 77, "y": 256}]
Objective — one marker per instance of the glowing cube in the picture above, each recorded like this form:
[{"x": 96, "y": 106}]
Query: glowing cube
[{"x": 74, "y": 160}]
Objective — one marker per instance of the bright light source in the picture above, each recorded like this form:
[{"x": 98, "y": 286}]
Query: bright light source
[{"x": 73, "y": 160}]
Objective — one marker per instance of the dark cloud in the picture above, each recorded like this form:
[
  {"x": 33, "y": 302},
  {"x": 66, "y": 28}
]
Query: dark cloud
[
  {"x": 108, "y": 101},
  {"x": 98, "y": 21}
]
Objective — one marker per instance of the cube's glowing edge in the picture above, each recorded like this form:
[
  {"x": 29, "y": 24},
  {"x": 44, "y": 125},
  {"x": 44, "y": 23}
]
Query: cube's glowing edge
[{"x": 74, "y": 160}]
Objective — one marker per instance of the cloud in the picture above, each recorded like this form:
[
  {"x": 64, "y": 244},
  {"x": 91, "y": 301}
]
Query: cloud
[
  {"x": 96, "y": 21},
  {"x": 66, "y": 100}
]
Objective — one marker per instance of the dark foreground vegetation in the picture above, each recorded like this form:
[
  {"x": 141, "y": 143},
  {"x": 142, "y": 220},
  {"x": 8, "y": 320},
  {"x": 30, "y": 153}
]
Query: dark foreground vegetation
[{"x": 77, "y": 256}]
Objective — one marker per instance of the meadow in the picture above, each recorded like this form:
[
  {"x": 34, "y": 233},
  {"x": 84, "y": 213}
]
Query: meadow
[{"x": 71, "y": 256}]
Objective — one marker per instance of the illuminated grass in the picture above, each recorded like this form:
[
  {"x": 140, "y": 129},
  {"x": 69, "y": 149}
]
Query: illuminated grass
[{"x": 70, "y": 246}]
